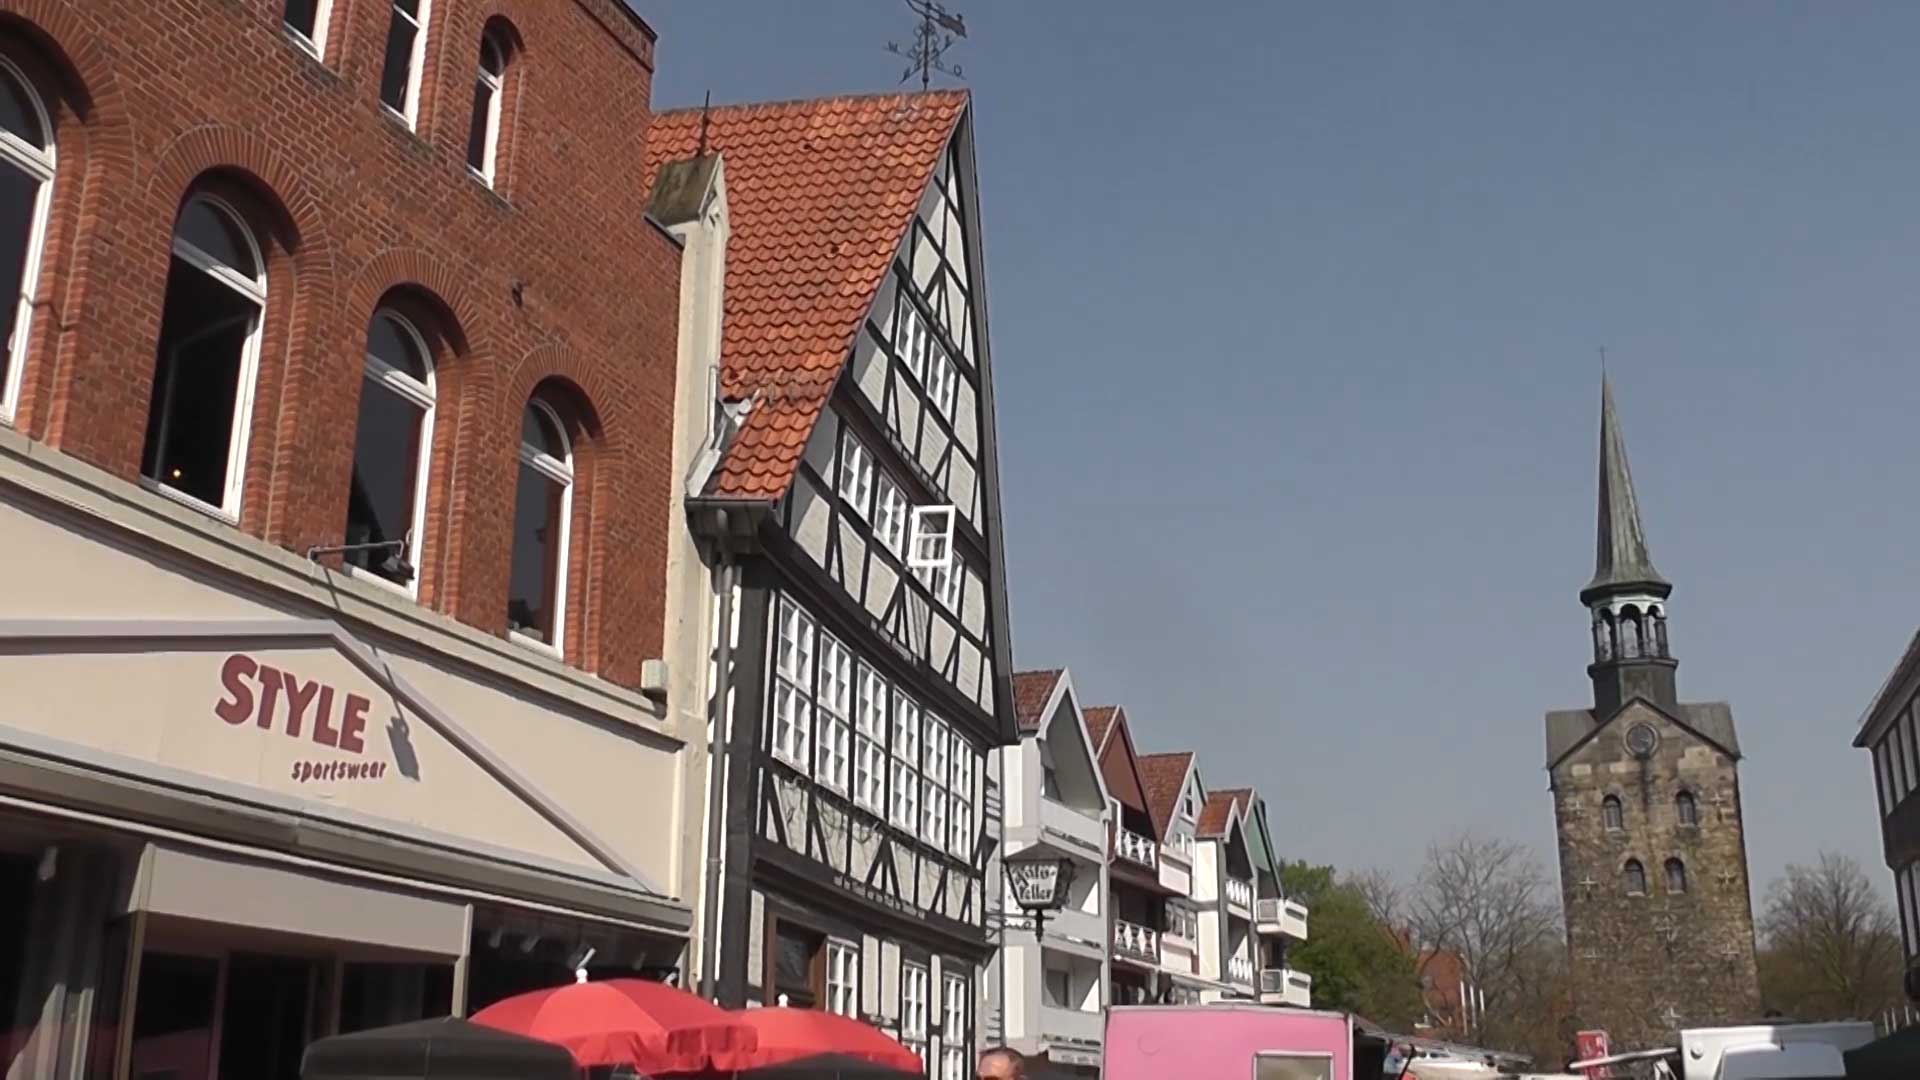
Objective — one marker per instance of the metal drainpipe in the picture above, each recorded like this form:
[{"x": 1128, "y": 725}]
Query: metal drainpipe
[{"x": 716, "y": 766}]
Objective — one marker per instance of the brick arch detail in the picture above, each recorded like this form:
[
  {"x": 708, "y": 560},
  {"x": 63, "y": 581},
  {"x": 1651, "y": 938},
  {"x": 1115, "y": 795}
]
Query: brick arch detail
[
  {"x": 285, "y": 379},
  {"x": 557, "y": 361},
  {"x": 413, "y": 268},
  {"x": 76, "y": 49}
]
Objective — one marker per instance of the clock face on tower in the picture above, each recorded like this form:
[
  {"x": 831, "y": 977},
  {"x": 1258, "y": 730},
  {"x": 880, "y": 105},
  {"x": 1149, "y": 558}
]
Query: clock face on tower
[{"x": 1642, "y": 740}]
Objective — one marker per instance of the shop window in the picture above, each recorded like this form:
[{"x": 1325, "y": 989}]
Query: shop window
[
  {"x": 307, "y": 23},
  {"x": 209, "y": 353},
  {"x": 376, "y": 995},
  {"x": 542, "y": 512},
  {"x": 393, "y": 442},
  {"x": 26, "y": 181},
  {"x": 173, "y": 1015},
  {"x": 406, "y": 53},
  {"x": 264, "y": 1018},
  {"x": 489, "y": 95}
]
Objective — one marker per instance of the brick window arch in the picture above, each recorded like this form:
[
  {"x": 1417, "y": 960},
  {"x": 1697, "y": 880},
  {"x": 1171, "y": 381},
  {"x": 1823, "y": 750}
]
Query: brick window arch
[
  {"x": 542, "y": 526},
  {"x": 26, "y": 184},
  {"x": 392, "y": 451}
]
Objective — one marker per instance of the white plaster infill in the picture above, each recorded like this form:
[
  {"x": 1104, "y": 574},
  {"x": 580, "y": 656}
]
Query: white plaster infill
[{"x": 32, "y": 473}]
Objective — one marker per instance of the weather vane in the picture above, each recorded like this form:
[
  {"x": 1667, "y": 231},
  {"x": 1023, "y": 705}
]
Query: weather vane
[{"x": 937, "y": 32}]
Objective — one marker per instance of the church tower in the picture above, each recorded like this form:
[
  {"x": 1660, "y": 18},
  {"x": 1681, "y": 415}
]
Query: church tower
[{"x": 1646, "y": 791}]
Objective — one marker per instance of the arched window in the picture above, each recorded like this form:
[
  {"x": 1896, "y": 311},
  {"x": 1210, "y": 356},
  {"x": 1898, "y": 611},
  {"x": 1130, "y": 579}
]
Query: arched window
[
  {"x": 307, "y": 22},
  {"x": 536, "y": 598},
  {"x": 209, "y": 352},
  {"x": 1686, "y": 808},
  {"x": 26, "y": 180},
  {"x": 1676, "y": 876},
  {"x": 489, "y": 93},
  {"x": 1612, "y": 814},
  {"x": 1630, "y": 637},
  {"x": 1634, "y": 877},
  {"x": 1660, "y": 634},
  {"x": 387, "y": 500}
]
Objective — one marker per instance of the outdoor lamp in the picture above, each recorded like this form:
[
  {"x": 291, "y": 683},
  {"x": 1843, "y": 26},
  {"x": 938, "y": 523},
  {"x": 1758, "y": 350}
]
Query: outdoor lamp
[{"x": 1039, "y": 885}]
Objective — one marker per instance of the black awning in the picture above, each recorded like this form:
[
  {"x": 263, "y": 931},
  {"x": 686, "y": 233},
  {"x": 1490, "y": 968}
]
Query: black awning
[
  {"x": 826, "y": 1067},
  {"x": 1896, "y": 1057},
  {"x": 443, "y": 1049}
]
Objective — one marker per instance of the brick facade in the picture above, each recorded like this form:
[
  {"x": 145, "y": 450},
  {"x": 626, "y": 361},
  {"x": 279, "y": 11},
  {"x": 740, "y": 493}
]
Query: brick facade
[
  {"x": 1634, "y": 957},
  {"x": 554, "y": 278}
]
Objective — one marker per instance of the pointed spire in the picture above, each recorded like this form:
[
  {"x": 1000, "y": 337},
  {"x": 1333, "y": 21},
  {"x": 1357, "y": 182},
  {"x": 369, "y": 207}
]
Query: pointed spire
[{"x": 1620, "y": 554}]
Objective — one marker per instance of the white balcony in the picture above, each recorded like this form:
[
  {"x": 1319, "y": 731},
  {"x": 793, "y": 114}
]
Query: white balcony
[
  {"x": 1064, "y": 827},
  {"x": 1073, "y": 925},
  {"x": 1080, "y": 1030},
  {"x": 1240, "y": 894},
  {"x": 1281, "y": 918},
  {"x": 1137, "y": 849},
  {"x": 1240, "y": 971},
  {"x": 1136, "y": 942},
  {"x": 1285, "y": 986}
]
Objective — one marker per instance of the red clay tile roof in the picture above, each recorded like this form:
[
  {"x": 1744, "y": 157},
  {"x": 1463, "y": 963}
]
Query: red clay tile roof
[
  {"x": 1213, "y": 816},
  {"x": 1164, "y": 776},
  {"x": 1031, "y": 692},
  {"x": 1099, "y": 721},
  {"x": 819, "y": 194}
]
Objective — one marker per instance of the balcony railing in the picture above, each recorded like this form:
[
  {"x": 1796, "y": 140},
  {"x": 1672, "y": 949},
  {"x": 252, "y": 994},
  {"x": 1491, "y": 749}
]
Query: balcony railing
[
  {"x": 1136, "y": 942},
  {"x": 1240, "y": 970},
  {"x": 1239, "y": 893},
  {"x": 1276, "y": 915},
  {"x": 1134, "y": 848}
]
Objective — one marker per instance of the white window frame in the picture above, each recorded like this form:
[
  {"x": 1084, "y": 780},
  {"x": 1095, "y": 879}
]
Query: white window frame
[
  {"x": 915, "y": 985},
  {"x": 955, "y": 1054},
  {"x": 38, "y": 163},
  {"x": 965, "y": 768},
  {"x": 943, "y": 381},
  {"x": 792, "y": 729},
  {"x": 384, "y": 376},
  {"x": 891, "y": 510},
  {"x": 255, "y": 290},
  {"x": 843, "y": 978},
  {"x": 833, "y": 705},
  {"x": 420, "y": 19},
  {"x": 930, "y": 541},
  {"x": 855, "y": 482},
  {"x": 911, "y": 336},
  {"x": 1881, "y": 763},
  {"x": 1897, "y": 751},
  {"x": 870, "y": 745},
  {"x": 561, "y": 472},
  {"x": 496, "y": 85},
  {"x": 315, "y": 43}
]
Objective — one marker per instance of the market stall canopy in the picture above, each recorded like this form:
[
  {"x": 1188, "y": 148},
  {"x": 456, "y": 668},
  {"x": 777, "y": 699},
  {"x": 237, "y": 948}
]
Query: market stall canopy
[
  {"x": 787, "y": 1035},
  {"x": 647, "y": 1026},
  {"x": 1896, "y": 1057},
  {"x": 443, "y": 1049}
]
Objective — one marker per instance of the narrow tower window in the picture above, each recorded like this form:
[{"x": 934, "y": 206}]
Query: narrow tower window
[
  {"x": 1612, "y": 814},
  {"x": 489, "y": 87},
  {"x": 1676, "y": 876},
  {"x": 1686, "y": 808},
  {"x": 1634, "y": 876}
]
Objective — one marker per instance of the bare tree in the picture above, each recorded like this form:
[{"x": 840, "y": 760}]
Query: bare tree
[
  {"x": 1831, "y": 946},
  {"x": 1487, "y": 901},
  {"x": 1386, "y": 897}
]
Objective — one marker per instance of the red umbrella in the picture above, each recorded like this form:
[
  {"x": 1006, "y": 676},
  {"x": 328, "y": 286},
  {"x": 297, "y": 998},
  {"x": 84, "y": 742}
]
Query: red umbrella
[
  {"x": 650, "y": 1026},
  {"x": 787, "y": 1035}
]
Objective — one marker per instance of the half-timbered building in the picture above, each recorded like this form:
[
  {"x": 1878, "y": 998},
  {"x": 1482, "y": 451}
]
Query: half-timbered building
[{"x": 853, "y": 512}]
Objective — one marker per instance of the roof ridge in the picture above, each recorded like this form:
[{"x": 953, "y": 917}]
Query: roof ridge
[{"x": 828, "y": 99}]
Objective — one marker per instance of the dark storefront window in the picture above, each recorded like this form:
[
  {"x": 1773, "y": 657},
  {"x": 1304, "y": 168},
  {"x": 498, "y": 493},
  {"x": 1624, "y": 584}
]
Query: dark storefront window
[
  {"x": 375, "y": 995},
  {"x": 798, "y": 971},
  {"x": 264, "y": 1022},
  {"x": 16, "y": 895},
  {"x": 173, "y": 1016}
]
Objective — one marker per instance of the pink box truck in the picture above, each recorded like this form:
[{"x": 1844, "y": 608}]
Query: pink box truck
[{"x": 1232, "y": 1042}]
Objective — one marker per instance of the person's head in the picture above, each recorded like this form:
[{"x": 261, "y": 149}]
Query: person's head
[{"x": 1002, "y": 1063}]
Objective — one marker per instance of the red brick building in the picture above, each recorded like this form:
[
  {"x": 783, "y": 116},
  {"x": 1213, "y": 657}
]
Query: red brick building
[{"x": 285, "y": 277}]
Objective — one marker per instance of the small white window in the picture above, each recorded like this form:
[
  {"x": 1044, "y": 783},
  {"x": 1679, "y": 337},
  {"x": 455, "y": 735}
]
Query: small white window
[
  {"x": 307, "y": 23},
  {"x": 203, "y": 385},
  {"x": 1881, "y": 765},
  {"x": 955, "y": 1052},
  {"x": 26, "y": 184},
  {"x": 913, "y": 1008},
  {"x": 890, "y": 510},
  {"x": 906, "y": 763},
  {"x": 793, "y": 680},
  {"x": 489, "y": 90},
  {"x": 856, "y": 474},
  {"x": 406, "y": 50},
  {"x": 906, "y": 796},
  {"x": 392, "y": 447},
  {"x": 944, "y": 583},
  {"x": 870, "y": 755},
  {"x": 932, "y": 538},
  {"x": 542, "y": 526},
  {"x": 843, "y": 978},
  {"x": 943, "y": 381},
  {"x": 964, "y": 769},
  {"x": 835, "y": 696},
  {"x": 910, "y": 337},
  {"x": 934, "y": 827}
]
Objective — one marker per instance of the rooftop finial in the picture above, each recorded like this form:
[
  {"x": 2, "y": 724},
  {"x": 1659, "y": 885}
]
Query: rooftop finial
[
  {"x": 937, "y": 32},
  {"x": 706, "y": 120}
]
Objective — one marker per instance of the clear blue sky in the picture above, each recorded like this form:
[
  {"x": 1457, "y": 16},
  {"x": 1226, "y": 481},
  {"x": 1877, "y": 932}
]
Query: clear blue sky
[{"x": 1295, "y": 317}]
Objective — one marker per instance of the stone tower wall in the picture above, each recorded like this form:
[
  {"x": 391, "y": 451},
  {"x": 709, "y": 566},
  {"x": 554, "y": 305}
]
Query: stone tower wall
[{"x": 1635, "y": 957}]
